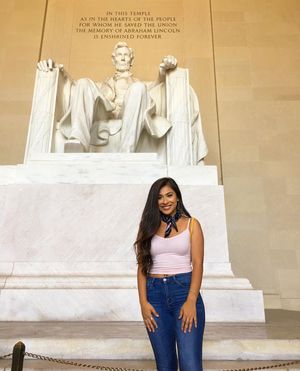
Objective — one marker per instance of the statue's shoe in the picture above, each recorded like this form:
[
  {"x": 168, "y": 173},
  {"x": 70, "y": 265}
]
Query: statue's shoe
[{"x": 73, "y": 146}]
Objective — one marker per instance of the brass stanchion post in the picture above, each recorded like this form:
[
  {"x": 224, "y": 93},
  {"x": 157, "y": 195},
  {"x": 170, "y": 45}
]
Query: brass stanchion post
[{"x": 18, "y": 356}]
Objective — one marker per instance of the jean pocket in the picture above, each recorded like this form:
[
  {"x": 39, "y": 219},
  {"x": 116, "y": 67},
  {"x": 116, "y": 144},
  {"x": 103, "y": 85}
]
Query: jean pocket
[
  {"x": 183, "y": 281},
  {"x": 150, "y": 282}
]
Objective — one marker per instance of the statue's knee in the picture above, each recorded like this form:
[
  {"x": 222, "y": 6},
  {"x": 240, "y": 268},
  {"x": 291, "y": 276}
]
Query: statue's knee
[
  {"x": 138, "y": 87},
  {"x": 83, "y": 83}
]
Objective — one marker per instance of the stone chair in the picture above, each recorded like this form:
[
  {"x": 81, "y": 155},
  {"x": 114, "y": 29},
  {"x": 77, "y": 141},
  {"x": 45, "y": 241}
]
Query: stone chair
[{"x": 50, "y": 110}]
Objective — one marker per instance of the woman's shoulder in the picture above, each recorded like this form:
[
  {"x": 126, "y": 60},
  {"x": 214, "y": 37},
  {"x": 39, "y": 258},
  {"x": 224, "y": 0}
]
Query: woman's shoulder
[
  {"x": 194, "y": 220},
  {"x": 194, "y": 223},
  {"x": 190, "y": 219}
]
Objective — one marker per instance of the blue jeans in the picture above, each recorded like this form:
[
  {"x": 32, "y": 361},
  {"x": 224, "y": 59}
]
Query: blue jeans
[{"x": 167, "y": 295}]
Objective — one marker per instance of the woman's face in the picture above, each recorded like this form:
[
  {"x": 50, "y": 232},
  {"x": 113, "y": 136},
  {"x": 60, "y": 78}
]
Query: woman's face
[{"x": 167, "y": 200}]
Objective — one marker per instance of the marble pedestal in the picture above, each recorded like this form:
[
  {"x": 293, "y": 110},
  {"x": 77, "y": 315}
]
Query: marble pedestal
[{"x": 68, "y": 223}]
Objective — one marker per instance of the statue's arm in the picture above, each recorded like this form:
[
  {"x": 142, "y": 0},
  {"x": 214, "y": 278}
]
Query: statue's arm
[{"x": 168, "y": 63}]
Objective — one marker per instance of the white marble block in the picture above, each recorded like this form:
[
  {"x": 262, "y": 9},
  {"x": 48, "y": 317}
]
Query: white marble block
[
  {"x": 103, "y": 168},
  {"x": 67, "y": 249}
]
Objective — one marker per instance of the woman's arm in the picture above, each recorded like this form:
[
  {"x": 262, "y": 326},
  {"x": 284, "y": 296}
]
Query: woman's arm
[
  {"x": 146, "y": 308},
  {"x": 141, "y": 282},
  {"x": 197, "y": 251},
  {"x": 188, "y": 310}
]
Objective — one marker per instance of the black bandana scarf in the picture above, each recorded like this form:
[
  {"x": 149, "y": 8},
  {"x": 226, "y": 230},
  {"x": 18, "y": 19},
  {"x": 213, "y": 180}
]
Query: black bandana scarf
[{"x": 171, "y": 222}]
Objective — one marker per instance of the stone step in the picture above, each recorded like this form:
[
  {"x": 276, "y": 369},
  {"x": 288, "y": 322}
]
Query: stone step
[
  {"x": 136, "y": 349},
  {"x": 277, "y": 339},
  {"x": 103, "y": 168}
]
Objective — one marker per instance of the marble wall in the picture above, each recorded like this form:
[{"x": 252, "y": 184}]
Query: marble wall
[
  {"x": 244, "y": 62},
  {"x": 21, "y": 30},
  {"x": 257, "y": 57}
]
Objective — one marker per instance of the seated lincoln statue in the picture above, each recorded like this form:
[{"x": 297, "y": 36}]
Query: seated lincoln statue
[{"x": 121, "y": 112}]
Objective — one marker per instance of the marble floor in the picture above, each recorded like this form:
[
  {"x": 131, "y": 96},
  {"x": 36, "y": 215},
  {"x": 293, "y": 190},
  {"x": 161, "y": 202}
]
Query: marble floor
[
  {"x": 281, "y": 331},
  {"x": 149, "y": 365},
  {"x": 280, "y": 324}
]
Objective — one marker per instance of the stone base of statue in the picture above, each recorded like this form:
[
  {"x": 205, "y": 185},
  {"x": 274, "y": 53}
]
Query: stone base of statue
[
  {"x": 69, "y": 220},
  {"x": 68, "y": 223}
]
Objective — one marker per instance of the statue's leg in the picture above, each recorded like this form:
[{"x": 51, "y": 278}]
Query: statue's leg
[
  {"x": 84, "y": 96},
  {"x": 135, "y": 105}
]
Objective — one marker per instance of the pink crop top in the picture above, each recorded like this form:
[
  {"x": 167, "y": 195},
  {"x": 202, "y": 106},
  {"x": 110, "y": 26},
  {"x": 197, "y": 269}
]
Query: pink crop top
[{"x": 171, "y": 255}]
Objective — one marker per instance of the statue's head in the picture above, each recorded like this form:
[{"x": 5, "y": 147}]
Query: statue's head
[{"x": 122, "y": 57}]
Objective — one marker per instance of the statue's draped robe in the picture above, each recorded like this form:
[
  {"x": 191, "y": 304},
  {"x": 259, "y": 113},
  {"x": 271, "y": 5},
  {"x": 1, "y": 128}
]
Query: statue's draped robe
[{"x": 154, "y": 118}]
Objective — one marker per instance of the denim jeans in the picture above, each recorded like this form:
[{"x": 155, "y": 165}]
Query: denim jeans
[{"x": 167, "y": 295}]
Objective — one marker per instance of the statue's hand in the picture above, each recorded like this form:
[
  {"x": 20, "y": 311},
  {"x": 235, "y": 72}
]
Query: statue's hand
[
  {"x": 48, "y": 65},
  {"x": 168, "y": 63}
]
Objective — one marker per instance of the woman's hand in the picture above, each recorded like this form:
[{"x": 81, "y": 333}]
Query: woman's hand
[
  {"x": 188, "y": 314},
  {"x": 147, "y": 312}
]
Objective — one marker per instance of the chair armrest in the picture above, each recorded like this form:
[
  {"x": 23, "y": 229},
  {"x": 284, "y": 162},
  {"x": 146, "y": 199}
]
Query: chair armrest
[
  {"x": 51, "y": 97},
  {"x": 178, "y": 114}
]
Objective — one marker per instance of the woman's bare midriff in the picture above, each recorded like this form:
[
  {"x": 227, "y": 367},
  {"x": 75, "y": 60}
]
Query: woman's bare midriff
[{"x": 160, "y": 275}]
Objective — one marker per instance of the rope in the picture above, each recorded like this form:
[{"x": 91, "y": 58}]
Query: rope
[
  {"x": 78, "y": 364},
  {"x": 107, "y": 368},
  {"x": 6, "y": 356}
]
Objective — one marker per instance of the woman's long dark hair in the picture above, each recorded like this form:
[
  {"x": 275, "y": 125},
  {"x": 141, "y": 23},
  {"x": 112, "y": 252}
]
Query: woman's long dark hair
[{"x": 150, "y": 221}]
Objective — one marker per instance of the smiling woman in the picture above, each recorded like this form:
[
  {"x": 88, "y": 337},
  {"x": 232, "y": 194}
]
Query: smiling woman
[{"x": 169, "y": 249}]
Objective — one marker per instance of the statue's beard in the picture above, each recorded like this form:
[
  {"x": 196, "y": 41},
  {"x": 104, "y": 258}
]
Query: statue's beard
[{"x": 123, "y": 67}]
